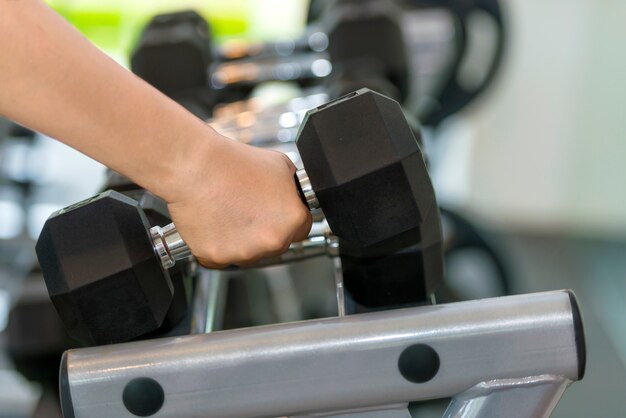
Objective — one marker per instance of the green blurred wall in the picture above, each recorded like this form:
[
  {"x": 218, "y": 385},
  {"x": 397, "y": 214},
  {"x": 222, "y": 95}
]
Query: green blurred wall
[{"x": 113, "y": 25}]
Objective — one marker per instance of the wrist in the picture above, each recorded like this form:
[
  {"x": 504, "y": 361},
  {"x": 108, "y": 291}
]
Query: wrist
[{"x": 182, "y": 168}]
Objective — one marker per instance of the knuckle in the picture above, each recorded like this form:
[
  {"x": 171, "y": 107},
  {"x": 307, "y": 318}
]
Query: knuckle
[
  {"x": 216, "y": 256},
  {"x": 274, "y": 242},
  {"x": 246, "y": 255},
  {"x": 219, "y": 259}
]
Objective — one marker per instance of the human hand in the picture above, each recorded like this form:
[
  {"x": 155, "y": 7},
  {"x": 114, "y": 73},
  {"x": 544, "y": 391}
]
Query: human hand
[{"x": 237, "y": 204}]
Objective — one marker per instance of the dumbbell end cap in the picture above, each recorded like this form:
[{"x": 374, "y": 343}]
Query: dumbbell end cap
[{"x": 306, "y": 190}]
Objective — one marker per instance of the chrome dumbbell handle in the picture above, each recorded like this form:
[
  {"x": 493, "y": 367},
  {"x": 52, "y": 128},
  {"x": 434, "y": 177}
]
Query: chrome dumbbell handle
[
  {"x": 170, "y": 247},
  {"x": 313, "y": 246},
  {"x": 308, "y": 194}
]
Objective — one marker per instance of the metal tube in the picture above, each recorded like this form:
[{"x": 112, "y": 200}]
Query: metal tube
[{"x": 334, "y": 364}]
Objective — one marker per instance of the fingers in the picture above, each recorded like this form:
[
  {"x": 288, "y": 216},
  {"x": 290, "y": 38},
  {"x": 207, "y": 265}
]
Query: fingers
[
  {"x": 258, "y": 221},
  {"x": 209, "y": 264},
  {"x": 267, "y": 246}
]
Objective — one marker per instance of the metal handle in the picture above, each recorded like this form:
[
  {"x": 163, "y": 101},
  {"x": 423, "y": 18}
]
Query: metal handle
[
  {"x": 170, "y": 247},
  {"x": 313, "y": 246},
  {"x": 306, "y": 190}
]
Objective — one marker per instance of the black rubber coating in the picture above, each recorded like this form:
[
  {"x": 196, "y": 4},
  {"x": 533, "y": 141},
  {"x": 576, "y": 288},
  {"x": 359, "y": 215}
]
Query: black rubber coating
[
  {"x": 143, "y": 396},
  {"x": 67, "y": 409},
  {"x": 419, "y": 363},
  {"x": 579, "y": 335}
]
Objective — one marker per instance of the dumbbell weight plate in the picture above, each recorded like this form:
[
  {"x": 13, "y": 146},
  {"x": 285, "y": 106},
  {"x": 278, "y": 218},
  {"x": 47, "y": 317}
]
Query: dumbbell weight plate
[{"x": 101, "y": 275}]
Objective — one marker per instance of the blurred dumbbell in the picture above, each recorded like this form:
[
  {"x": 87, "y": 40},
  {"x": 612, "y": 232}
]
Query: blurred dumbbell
[
  {"x": 364, "y": 168},
  {"x": 347, "y": 36},
  {"x": 36, "y": 340},
  {"x": 368, "y": 35},
  {"x": 35, "y": 334},
  {"x": 173, "y": 54}
]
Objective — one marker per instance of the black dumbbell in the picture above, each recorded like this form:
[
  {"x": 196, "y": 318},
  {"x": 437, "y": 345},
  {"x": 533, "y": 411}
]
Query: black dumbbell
[
  {"x": 174, "y": 53},
  {"x": 365, "y": 40},
  {"x": 103, "y": 262},
  {"x": 35, "y": 342},
  {"x": 162, "y": 317}
]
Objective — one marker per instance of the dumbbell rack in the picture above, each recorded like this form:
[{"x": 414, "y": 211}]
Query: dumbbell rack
[{"x": 503, "y": 357}]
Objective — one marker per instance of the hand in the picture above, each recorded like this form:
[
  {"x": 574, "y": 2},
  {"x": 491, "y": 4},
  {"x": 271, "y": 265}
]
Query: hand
[{"x": 238, "y": 204}]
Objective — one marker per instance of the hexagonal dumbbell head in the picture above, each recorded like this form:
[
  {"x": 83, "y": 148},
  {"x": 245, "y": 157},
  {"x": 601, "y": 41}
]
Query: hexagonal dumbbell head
[
  {"x": 368, "y": 34},
  {"x": 404, "y": 278},
  {"x": 101, "y": 271},
  {"x": 368, "y": 172},
  {"x": 174, "y": 52}
]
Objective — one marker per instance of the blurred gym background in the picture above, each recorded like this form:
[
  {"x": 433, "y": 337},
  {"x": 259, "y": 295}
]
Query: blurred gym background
[{"x": 537, "y": 163}]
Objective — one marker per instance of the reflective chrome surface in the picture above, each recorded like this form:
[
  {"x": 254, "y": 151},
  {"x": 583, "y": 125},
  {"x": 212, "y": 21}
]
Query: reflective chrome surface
[
  {"x": 313, "y": 246},
  {"x": 169, "y": 245},
  {"x": 342, "y": 309},
  {"x": 159, "y": 247},
  {"x": 208, "y": 301},
  {"x": 307, "y": 189},
  {"x": 338, "y": 364}
]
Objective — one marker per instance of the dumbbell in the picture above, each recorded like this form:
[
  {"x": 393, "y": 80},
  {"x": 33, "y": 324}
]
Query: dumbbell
[
  {"x": 348, "y": 35},
  {"x": 173, "y": 53},
  {"x": 367, "y": 42},
  {"x": 104, "y": 264}
]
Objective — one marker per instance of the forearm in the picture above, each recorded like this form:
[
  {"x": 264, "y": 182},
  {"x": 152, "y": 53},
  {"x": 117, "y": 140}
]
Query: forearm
[{"x": 56, "y": 82}]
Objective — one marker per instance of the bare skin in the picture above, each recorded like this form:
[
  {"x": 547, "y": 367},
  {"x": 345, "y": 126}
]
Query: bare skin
[{"x": 232, "y": 203}]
